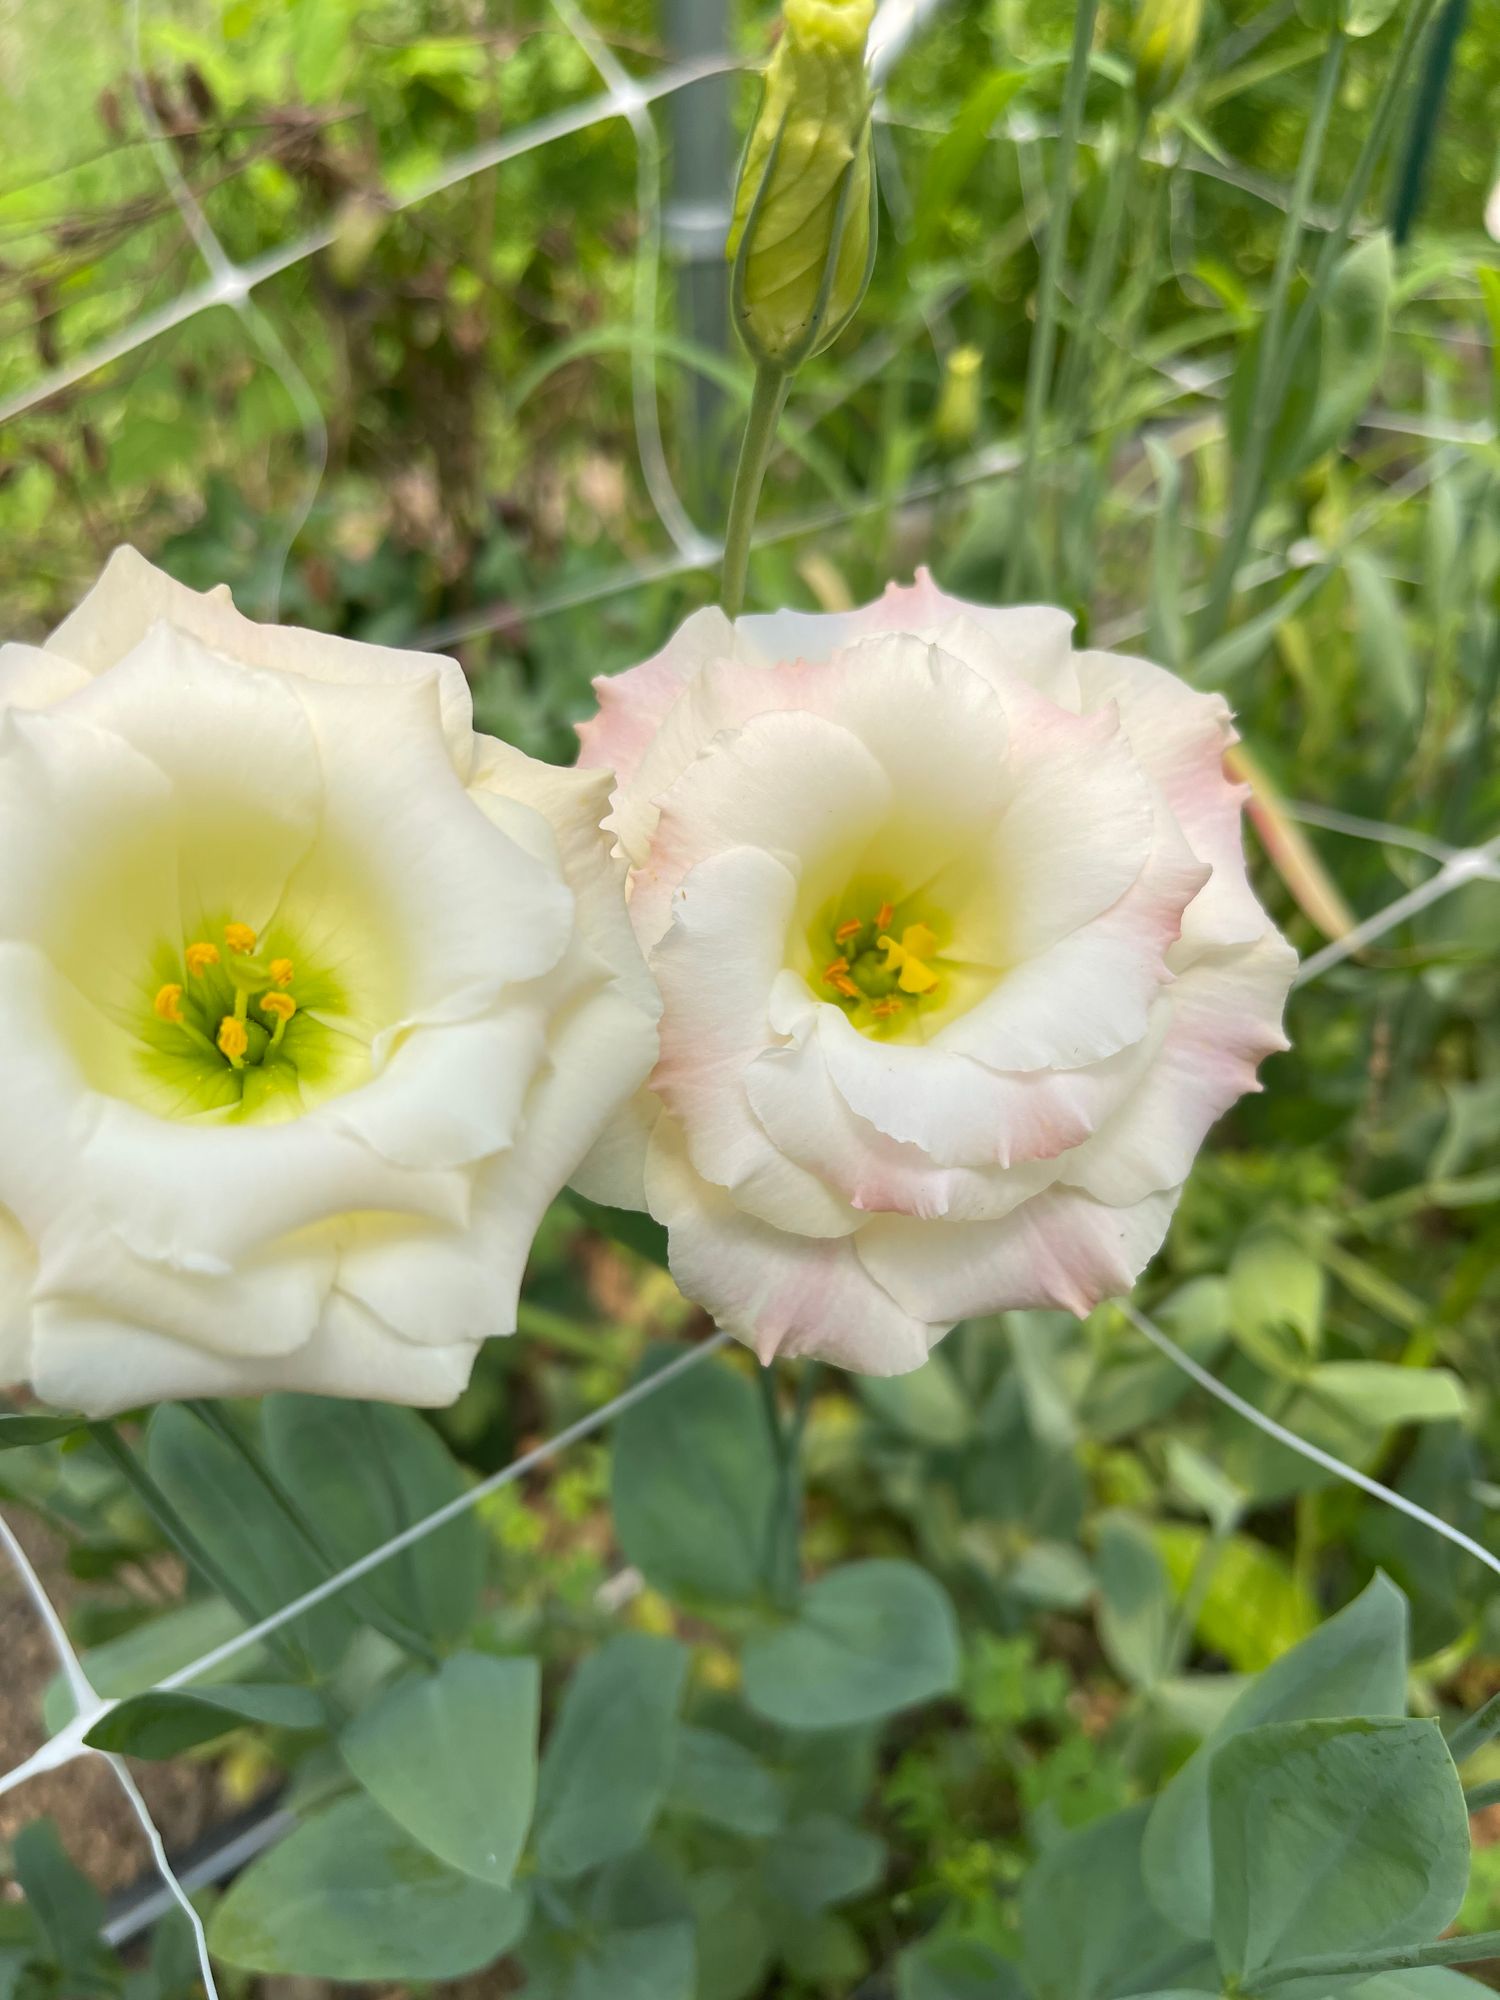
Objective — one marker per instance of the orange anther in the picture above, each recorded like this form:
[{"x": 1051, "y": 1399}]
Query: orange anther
[
  {"x": 886, "y": 1008},
  {"x": 846, "y": 986},
  {"x": 839, "y": 965},
  {"x": 846, "y": 931},
  {"x": 883, "y": 917}
]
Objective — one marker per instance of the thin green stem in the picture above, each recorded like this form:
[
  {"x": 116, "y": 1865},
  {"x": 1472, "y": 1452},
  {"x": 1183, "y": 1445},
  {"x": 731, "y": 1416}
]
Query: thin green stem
[
  {"x": 224, "y": 1428},
  {"x": 1395, "y": 1958},
  {"x": 176, "y": 1532},
  {"x": 766, "y": 405},
  {"x": 1479, "y": 1796},
  {"x": 1378, "y": 134},
  {"x": 1104, "y": 255},
  {"x": 1266, "y": 382},
  {"x": 783, "y": 1560},
  {"x": 1044, "y": 337},
  {"x": 1475, "y": 1730}
]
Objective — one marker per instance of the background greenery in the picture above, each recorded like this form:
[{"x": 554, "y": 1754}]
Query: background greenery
[{"x": 888, "y": 1716}]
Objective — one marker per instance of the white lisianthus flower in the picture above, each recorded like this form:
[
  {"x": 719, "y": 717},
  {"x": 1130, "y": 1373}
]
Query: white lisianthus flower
[
  {"x": 959, "y": 963},
  {"x": 313, "y": 1000}
]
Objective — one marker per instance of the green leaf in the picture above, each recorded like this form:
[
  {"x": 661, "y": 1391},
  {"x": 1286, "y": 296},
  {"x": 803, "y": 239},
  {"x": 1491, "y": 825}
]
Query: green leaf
[
  {"x": 658, "y": 1962},
  {"x": 1383, "y": 1394},
  {"x": 959, "y": 151},
  {"x": 734, "y": 1941},
  {"x": 869, "y": 1639},
  {"x": 1388, "y": 665},
  {"x": 820, "y": 1862},
  {"x": 718, "y": 1780},
  {"x": 228, "y": 1509},
  {"x": 65, "y": 1906},
  {"x": 347, "y": 1895},
  {"x": 135, "y": 1661},
  {"x": 694, "y": 1483},
  {"x": 163, "y": 1725},
  {"x": 1229, "y": 657},
  {"x": 1254, "y": 1608},
  {"x": 608, "y": 1761},
  {"x": 926, "y": 1405},
  {"x": 1086, "y": 1918},
  {"x": 364, "y": 1471},
  {"x": 1354, "y": 316},
  {"x": 26, "y": 1429},
  {"x": 956, "y": 1969},
  {"x": 1166, "y": 626},
  {"x": 1276, "y": 1300},
  {"x": 1136, "y": 1616},
  {"x": 1330, "y": 1836},
  {"x": 452, "y": 1757},
  {"x": 1355, "y": 1664}
]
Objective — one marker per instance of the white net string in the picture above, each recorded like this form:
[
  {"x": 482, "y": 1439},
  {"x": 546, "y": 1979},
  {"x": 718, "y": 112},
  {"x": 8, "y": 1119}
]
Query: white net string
[{"x": 232, "y": 284}]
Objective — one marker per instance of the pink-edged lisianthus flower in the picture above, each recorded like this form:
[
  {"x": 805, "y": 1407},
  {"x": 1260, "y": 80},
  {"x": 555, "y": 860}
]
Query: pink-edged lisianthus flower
[{"x": 959, "y": 963}]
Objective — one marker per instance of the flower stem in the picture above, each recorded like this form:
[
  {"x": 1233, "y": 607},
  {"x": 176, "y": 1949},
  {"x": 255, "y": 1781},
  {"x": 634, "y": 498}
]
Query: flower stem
[
  {"x": 1394, "y": 1958},
  {"x": 176, "y": 1531},
  {"x": 783, "y": 1559},
  {"x": 1044, "y": 337},
  {"x": 771, "y": 385},
  {"x": 1267, "y": 385}
]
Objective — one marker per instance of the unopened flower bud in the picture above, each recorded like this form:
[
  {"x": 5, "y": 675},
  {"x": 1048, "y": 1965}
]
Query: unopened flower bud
[
  {"x": 956, "y": 419},
  {"x": 1163, "y": 43},
  {"x": 803, "y": 238}
]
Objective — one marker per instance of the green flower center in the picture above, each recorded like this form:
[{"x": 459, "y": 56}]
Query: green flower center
[{"x": 242, "y": 1027}]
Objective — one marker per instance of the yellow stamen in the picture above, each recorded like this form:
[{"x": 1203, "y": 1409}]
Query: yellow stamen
[
  {"x": 167, "y": 1005},
  {"x": 239, "y": 938},
  {"x": 846, "y": 931},
  {"x": 200, "y": 957},
  {"x": 917, "y": 943},
  {"x": 283, "y": 972},
  {"x": 234, "y": 1040},
  {"x": 282, "y": 1006},
  {"x": 839, "y": 965}
]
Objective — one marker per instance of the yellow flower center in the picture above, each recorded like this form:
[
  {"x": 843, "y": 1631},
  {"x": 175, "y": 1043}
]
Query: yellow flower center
[{"x": 885, "y": 970}]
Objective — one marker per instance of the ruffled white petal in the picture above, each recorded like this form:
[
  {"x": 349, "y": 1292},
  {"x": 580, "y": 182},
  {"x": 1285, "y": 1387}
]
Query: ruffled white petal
[
  {"x": 31, "y": 677},
  {"x": 17, "y": 1271},
  {"x": 716, "y": 968},
  {"x": 781, "y": 1294},
  {"x": 1225, "y": 1018},
  {"x": 1063, "y": 1249},
  {"x": 131, "y": 596}
]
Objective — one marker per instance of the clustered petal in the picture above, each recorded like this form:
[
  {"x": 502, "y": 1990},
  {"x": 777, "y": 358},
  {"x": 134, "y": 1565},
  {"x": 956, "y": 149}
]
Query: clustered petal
[
  {"x": 958, "y": 957},
  {"x": 312, "y": 1000}
]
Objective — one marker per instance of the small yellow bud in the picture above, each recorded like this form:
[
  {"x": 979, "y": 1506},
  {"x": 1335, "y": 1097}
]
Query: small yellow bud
[
  {"x": 167, "y": 1005},
  {"x": 956, "y": 420},
  {"x": 239, "y": 938},
  {"x": 233, "y": 1039},
  {"x": 1163, "y": 43},
  {"x": 282, "y": 1005},
  {"x": 283, "y": 972},
  {"x": 200, "y": 957},
  {"x": 803, "y": 238}
]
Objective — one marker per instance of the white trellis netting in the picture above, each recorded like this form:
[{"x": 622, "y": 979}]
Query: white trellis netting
[{"x": 227, "y": 283}]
